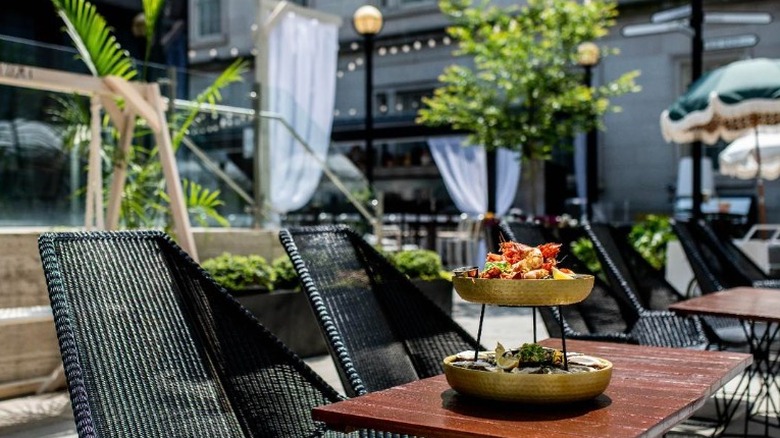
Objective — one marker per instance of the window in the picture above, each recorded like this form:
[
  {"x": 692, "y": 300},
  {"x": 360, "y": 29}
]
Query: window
[
  {"x": 209, "y": 17},
  {"x": 410, "y": 101}
]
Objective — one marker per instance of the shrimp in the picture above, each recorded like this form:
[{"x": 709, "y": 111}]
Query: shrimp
[
  {"x": 533, "y": 260},
  {"x": 536, "y": 274}
]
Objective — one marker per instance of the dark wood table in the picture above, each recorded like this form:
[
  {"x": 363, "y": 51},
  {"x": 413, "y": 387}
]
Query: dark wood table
[
  {"x": 652, "y": 389},
  {"x": 759, "y": 310}
]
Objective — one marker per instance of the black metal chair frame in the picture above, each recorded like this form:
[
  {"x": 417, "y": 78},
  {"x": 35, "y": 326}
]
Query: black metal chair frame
[
  {"x": 555, "y": 319},
  {"x": 380, "y": 329},
  {"x": 151, "y": 346},
  {"x": 614, "y": 254}
]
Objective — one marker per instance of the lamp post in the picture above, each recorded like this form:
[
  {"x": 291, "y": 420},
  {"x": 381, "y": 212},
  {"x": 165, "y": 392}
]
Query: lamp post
[
  {"x": 367, "y": 21},
  {"x": 588, "y": 55}
]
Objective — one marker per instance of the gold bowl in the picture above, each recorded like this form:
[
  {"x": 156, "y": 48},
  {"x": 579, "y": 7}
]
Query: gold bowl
[
  {"x": 523, "y": 292},
  {"x": 528, "y": 388}
]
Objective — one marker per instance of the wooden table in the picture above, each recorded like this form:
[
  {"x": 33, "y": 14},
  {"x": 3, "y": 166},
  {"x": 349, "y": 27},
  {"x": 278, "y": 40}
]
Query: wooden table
[
  {"x": 751, "y": 306},
  {"x": 652, "y": 389}
]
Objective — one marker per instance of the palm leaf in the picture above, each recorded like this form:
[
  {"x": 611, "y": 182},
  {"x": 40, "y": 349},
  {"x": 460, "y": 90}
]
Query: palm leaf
[
  {"x": 152, "y": 9},
  {"x": 93, "y": 39},
  {"x": 212, "y": 95}
]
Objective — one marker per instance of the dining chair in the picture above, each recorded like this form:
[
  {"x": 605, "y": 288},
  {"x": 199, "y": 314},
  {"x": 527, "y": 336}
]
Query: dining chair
[
  {"x": 459, "y": 247},
  {"x": 731, "y": 256},
  {"x": 646, "y": 287},
  {"x": 608, "y": 309},
  {"x": 380, "y": 329},
  {"x": 152, "y": 347}
]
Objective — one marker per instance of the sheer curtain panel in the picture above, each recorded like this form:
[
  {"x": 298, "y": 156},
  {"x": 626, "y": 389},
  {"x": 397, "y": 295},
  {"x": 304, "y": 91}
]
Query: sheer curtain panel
[
  {"x": 302, "y": 59},
  {"x": 464, "y": 170}
]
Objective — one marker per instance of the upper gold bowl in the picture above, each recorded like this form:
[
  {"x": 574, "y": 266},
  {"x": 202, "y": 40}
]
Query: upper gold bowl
[{"x": 523, "y": 292}]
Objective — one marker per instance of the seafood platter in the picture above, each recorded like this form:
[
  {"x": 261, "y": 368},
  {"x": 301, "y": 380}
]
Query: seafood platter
[{"x": 523, "y": 275}]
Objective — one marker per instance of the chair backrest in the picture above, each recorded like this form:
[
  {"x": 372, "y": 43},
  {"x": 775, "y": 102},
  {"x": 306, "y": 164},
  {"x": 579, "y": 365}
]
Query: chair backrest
[
  {"x": 600, "y": 312},
  {"x": 708, "y": 266},
  {"x": 152, "y": 346},
  {"x": 625, "y": 267},
  {"x": 381, "y": 330},
  {"x": 730, "y": 254}
]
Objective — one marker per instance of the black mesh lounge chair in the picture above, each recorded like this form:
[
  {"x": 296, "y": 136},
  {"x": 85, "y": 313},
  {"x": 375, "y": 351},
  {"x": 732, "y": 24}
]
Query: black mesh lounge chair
[
  {"x": 599, "y": 317},
  {"x": 712, "y": 269},
  {"x": 646, "y": 287},
  {"x": 152, "y": 347},
  {"x": 736, "y": 262},
  {"x": 381, "y": 330},
  {"x": 610, "y": 310}
]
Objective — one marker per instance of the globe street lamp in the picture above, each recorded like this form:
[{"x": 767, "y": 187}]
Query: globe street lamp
[
  {"x": 367, "y": 21},
  {"x": 588, "y": 55}
]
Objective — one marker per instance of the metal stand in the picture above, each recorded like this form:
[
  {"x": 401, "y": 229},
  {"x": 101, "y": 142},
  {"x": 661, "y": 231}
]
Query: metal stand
[{"x": 563, "y": 335}]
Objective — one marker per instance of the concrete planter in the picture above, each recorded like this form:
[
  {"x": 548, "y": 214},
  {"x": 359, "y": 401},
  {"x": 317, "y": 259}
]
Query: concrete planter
[
  {"x": 287, "y": 314},
  {"x": 439, "y": 291}
]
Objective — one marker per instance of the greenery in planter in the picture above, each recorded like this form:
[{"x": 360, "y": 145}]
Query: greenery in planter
[
  {"x": 583, "y": 250},
  {"x": 650, "y": 237},
  {"x": 284, "y": 272},
  {"x": 237, "y": 272},
  {"x": 420, "y": 263}
]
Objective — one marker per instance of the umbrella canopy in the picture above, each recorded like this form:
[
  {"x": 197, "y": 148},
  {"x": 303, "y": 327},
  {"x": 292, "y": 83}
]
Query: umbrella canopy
[
  {"x": 740, "y": 158},
  {"x": 726, "y": 103}
]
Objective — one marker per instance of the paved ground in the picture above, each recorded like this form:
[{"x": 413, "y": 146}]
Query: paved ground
[{"x": 49, "y": 416}]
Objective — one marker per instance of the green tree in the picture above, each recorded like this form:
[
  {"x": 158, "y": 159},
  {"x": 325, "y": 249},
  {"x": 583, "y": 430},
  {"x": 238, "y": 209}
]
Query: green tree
[{"x": 525, "y": 91}]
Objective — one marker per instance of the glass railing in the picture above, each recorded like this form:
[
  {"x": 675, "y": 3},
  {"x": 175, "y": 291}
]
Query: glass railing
[{"x": 42, "y": 173}]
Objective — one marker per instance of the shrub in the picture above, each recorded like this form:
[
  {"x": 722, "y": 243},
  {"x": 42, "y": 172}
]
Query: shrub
[
  {"x": 285, "y": 275},
  {"x": 419, "y": 263},
  {"x": 237, "y": 272},
  {"x": 650, "y": 237}
]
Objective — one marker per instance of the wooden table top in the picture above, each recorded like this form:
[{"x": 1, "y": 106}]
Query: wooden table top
[
  {"x": 652, "y": 389},
  {"x": 750, "y": 303}
]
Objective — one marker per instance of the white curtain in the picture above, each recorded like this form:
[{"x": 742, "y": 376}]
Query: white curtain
[
  {"x": 302, "y": 55},
  {"x": 464, "y": 170}
]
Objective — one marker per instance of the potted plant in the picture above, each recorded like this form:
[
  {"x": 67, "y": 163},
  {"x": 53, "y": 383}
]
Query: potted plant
[
  {"x": 425, "y": 269},
  {"x": 270, "y": 292}
]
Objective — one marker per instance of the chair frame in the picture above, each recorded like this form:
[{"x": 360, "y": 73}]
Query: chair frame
[
  {"x": 346, "y": 346},
  {"x": 254, "y": 366}
]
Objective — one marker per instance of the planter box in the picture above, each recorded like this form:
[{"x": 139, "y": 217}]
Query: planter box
[
  {"x": 287, "y": 314},
  {"x": 439, "y": 291}
]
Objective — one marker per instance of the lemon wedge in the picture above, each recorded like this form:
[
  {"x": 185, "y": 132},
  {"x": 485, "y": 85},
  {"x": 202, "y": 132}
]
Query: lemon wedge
[
  {"x": 558, "y": 275},
  {"x": 504, "y": 359}
]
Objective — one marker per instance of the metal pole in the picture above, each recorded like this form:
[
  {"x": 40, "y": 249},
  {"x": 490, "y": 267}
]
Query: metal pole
[
  {"x": 369, "y": 53},
  {"x": 591, "y": 159},
  {"x": 491, "y": 181},
  {"x": 697, "y": 49}
]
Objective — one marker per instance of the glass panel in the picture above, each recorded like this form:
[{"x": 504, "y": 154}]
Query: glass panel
[{"x": 209, "y": 17}]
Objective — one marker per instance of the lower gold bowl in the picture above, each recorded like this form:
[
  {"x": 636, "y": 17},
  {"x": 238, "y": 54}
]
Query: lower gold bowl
[{"x": 528, "y": 388}]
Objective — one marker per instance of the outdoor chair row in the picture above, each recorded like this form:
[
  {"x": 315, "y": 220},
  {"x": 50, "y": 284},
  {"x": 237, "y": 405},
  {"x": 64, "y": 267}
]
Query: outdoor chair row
[{"x": 151, "y": 345}]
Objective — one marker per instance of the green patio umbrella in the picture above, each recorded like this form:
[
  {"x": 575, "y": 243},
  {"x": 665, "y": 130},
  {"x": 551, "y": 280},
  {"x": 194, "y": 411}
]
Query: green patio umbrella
[{"x": 725, "y": 104}]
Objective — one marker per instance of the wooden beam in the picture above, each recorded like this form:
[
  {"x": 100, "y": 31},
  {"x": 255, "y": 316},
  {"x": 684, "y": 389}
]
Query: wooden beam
[
  {"x": 172, "y": 179},
  {"x": 134, "y": 97},
  {"x": 18, "y": 75},
  {"x": 119, "y": 175}
]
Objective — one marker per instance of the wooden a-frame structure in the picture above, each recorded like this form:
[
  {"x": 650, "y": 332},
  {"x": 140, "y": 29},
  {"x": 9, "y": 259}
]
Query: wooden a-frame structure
[{"x": 140, "y": 100}]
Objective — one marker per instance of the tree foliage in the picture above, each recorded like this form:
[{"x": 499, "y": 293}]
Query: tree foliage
[{"x": 525, "y": 90}]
